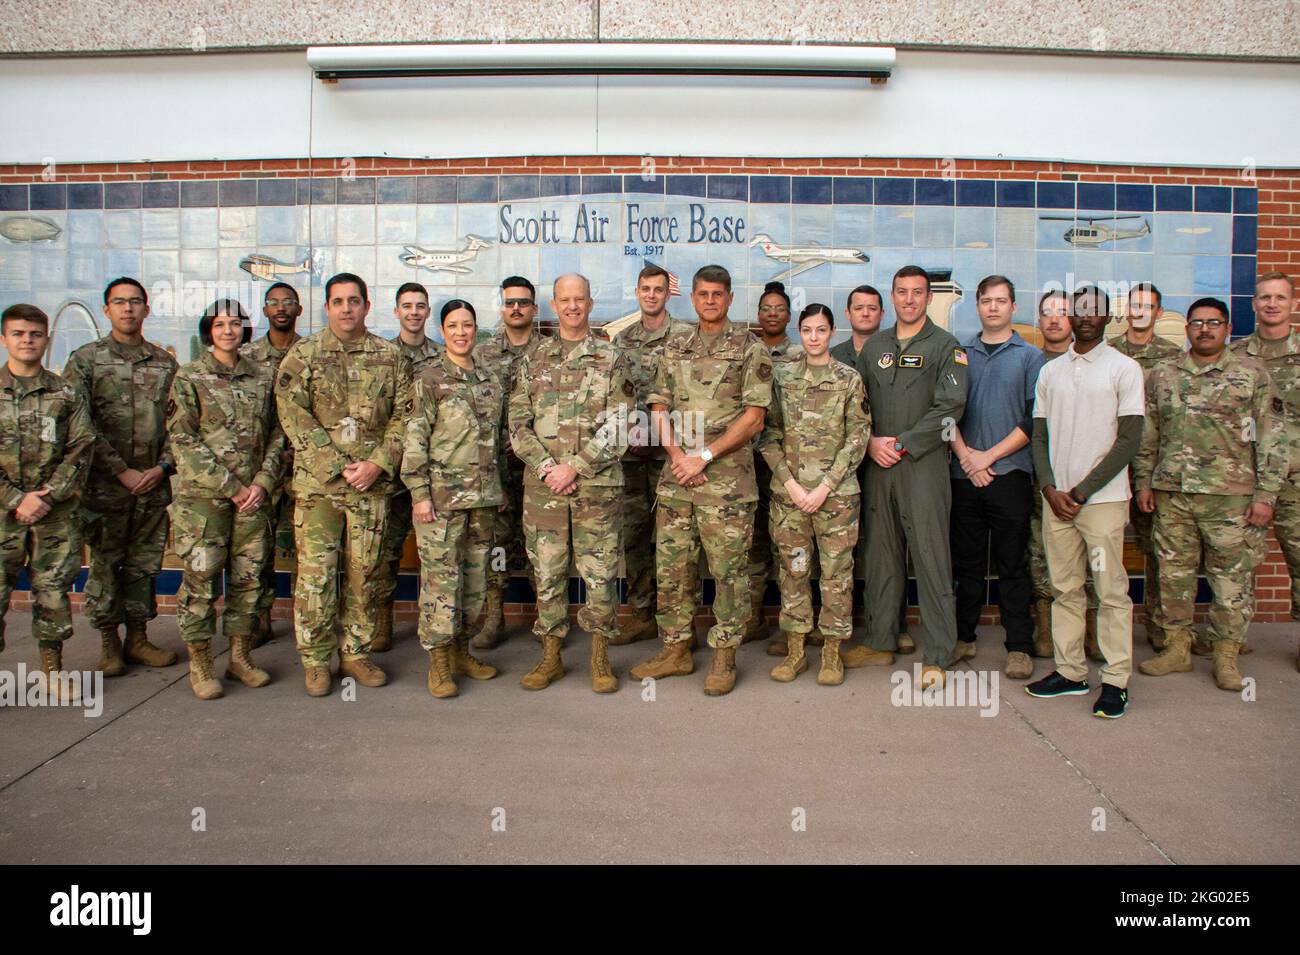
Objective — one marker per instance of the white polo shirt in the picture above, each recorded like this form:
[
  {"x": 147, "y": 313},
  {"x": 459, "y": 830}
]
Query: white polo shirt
[{"x": 1083, "y": 397}]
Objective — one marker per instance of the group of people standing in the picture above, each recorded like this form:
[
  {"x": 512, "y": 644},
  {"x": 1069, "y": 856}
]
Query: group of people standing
[{"x": 675, "y": 441}]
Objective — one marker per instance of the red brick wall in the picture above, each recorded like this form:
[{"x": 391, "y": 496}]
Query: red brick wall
[{"x": 1279, "y": 208}]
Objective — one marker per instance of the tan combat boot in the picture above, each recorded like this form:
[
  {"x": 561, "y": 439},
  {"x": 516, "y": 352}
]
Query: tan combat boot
[
  {"x": 1176, "y": 657},
  {"x": 722, "y": 675},
  {"x": 382, "y": 640},
  {"x": 905, "y": 645},
  {"x": 1226, "y": 674},
  {"x": 962, "y": 650},
  {"x": 1090, "y": 645},
  {"x": 1043, "y": 628},
  {"x": 778, "y": 647},
  {"x": 241, "y": 666},
  {"x": 262, "y": 630},
  {"x": 1201, "y": 646},
  {"x": 832, "y": 669},
  {"x": 603, "y": 679},
  {"x": 203, "y": 681},
  {"x": 638, "y": 627},
  {"x": 931, "y": 675},
  {"x": 673, "y": 659},
  {"x": 795, "y": 661},
  {"x": 549, "y": 669},
  {"x": 138, "y": 649},
  {"x": 863, "y": 656},
  {"x": 51, "y": 667},
  {"x": 441, "y": 684},
  {"x": 111, "y": 662},
  {"x": 465, "y": 664},
  {"x": 317, "y": 679},
  {"x": 494, "y": 621},
  {"x": 361, "y": 669}
]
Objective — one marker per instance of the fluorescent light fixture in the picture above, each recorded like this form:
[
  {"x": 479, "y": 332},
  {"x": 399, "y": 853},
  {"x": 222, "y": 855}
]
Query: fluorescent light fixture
[{"x": 493, "y": 59}]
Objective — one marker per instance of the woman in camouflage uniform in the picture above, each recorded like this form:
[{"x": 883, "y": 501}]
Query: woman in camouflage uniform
[
  {"x": 230, "y": 456},
  {"x": 454, "y": 467},
  {"x": 814, "y": 439}
]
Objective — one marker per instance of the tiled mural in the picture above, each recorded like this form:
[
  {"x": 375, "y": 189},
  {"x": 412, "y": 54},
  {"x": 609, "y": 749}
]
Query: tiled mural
[{"x": 190, "y": 241}]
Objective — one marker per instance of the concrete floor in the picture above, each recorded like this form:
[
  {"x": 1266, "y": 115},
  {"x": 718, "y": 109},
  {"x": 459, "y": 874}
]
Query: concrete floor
[{"x": 1191, "y": 775}]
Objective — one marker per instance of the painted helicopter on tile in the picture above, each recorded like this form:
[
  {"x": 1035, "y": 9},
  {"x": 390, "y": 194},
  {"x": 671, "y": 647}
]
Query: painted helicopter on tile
[
  {"x": 1094, "y": 235},
  {"x": 801, "y": 258},
  {"x": 446, "y": 260}
]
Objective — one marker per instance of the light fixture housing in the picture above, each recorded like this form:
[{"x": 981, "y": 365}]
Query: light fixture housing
[{"x": 565, "y": 59}]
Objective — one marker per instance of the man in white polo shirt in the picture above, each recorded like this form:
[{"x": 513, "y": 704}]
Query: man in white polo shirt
[{"x": 1088, "y": 414}]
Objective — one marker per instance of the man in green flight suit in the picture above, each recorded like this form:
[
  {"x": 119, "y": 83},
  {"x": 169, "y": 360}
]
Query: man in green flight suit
[{"x": 915, "y": 374}]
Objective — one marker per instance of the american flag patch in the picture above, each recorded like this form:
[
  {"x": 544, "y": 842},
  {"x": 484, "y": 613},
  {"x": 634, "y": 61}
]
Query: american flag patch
[{"x": 959, "y": 356}]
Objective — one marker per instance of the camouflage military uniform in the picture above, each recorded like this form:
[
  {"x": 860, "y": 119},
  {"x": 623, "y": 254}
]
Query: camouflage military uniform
[
  {"x": 127, "y": 386},
  {"x": 503, "y": 358},
  {"x": 46, "y": 440},
  {"x": 225, "y": 436},
  {"x": 280, "y": 507},
  {"x": 706, "y": 383},
  {"x": 399, "y": 505},
  {"x": 1212, "y": 443},
  {"x": 1282, "y": 359},
  {"x": 1156, "y": 350},
  {"x": 339, "y": 403},
  {"x": 570, "y": 405},
  {"x": 816, "y": 432},
  {"x": 760, "y": 547},
  {"x": 642, "y": 348},
  {"x": 455, "y": 460}
]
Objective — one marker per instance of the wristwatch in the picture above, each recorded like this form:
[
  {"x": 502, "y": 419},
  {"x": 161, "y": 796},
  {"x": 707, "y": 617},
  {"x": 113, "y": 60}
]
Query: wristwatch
[
  {"x": 898, "y": 447},
  {"x": 706, "y": 455}
]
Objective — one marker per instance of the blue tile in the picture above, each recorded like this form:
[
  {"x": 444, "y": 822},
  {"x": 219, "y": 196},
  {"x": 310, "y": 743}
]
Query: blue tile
[
  {"x": 161, "y": 194},
  {"x": 1096, "y": 195},
  {"x": 519, "y": 187},
  {"x": 1245, "y": 200},
  {"x": 769, "y": 189},
  {"x": 395, "y": 189},
  {"x": 560, "y": 186},
  {"x": 1245, "y": 235},
  {"x": 198, "y": 193},
  {"x": 1174, "y": 198},
  {"x": 935, "y": 192},
  {"x": 356, "y": 192},
  {"x": 1243, "y": 275},
  {"x": 1213, "y": 199},
  {"x": 895, "y": 192},
  {"x": 853, "y": 190},
  {"x": 1056, "y": 195},
  {"x": 13, "y": 198},
  {"x": 975, "y": 192},
  {"x": 49, "y": 195},
  {"x": 600, "y": 185},
  {"x": 730, "y": 187},
  {"x": 812, "y": 190},
  {"x": 1130, "y": 197},
  {"x": 686, "y": 186},
  {"x": 435, "y": 189},
  {"x": 121, "y": 195},
  {"x": 1243, "y": 316},
  {"x": 238, "y": 192},
  {"x": 1015, "y": 194},
  {"x": 83, "y": 195},
  {"x": 638, "y": 183},
  {"x": 276, "y": 192}
]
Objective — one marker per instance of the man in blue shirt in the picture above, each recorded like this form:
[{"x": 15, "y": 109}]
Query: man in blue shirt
[{"x": 992, "y": 478}]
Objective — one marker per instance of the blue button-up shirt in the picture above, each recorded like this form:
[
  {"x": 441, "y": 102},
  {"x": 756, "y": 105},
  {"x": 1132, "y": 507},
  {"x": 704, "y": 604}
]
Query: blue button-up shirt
[{"x": 1000, "y": 398}]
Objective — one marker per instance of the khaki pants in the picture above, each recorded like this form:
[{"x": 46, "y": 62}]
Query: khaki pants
[{"x": 1094, "y": 539}]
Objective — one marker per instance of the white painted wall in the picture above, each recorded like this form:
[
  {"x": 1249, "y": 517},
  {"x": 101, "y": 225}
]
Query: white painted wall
[{"x": 267, "y": 105}]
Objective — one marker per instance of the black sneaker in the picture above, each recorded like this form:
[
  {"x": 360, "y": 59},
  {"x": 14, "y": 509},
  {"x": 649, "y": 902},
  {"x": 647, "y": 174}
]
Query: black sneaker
[
  {"x": 1112, "y": 703},
  {"x": 1056, "y": 685}
]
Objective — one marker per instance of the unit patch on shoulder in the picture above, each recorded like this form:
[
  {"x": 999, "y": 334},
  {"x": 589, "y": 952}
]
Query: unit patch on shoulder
[
  {"x": 764, "y": 371},
  {"x": 886, "y": 360},
  {"x": 911, "y": 361},
  {"x": 959, "y": 356}
]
